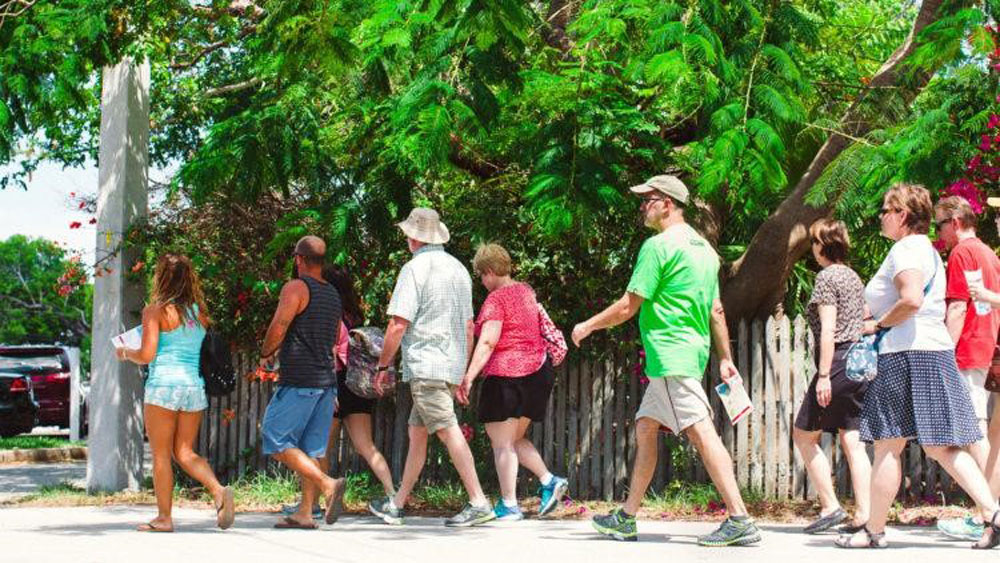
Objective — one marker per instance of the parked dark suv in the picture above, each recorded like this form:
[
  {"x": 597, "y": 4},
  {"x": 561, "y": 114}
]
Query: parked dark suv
[
  {"x": 18, "y": 409},
  {"x": 48, "y": 368}
]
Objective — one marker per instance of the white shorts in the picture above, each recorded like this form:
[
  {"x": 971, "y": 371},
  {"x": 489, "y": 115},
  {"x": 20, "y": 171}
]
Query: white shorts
[
  {"x": 675, "y": 402},
  {"x": 975, "y": 380}
]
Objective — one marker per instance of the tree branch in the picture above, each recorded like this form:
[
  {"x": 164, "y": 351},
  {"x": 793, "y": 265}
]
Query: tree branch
[
  {"x": 230, "y": 88},
  {"x": 213, "y": 47}
]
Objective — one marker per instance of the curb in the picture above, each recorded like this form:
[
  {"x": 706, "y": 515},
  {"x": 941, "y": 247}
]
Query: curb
[{"x": 43, "y": 455}]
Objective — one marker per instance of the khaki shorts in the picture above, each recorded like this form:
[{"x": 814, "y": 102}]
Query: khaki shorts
[
  {"x": 675, "y": 402},
  {"x": 975, "y": 381},
  {"x": 433, "y": 404}
]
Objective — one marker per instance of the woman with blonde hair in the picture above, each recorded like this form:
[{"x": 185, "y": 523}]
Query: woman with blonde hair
[
  {"x": 173, "y": 327},
  {"x": 918, "y": 392},
  {"x": 518, "y": 375}
]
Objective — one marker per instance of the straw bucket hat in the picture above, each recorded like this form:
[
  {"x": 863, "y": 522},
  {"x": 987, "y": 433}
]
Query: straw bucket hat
[{"x": 425, "y": 225}]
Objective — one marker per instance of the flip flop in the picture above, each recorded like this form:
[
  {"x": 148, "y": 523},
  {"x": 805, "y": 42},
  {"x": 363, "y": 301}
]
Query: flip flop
[
  {"x": 335, "y": 504},
  {"x": 151, "y": 527},
  {"x": 226, "y": 512},
  {"x": 288, "y": 523}
]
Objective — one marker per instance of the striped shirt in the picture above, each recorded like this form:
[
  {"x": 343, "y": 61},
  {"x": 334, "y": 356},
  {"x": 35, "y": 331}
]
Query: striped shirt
[
  {"x": 307, "y": 352},
  {"x": 434, "y": 293}
]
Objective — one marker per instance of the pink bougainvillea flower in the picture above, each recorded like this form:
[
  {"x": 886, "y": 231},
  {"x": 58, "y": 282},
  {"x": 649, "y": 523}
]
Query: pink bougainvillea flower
[
  {"x": 75, "y": 225},
  {"x": 994, "y": 121}
]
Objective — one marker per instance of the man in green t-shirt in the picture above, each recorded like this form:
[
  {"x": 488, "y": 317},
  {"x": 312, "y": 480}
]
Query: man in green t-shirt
[{"x": 675, "y": 290}]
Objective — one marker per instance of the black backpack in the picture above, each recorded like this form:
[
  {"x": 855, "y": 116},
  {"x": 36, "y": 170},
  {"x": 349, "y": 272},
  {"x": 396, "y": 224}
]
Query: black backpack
[{"x": 216, "y": 365}]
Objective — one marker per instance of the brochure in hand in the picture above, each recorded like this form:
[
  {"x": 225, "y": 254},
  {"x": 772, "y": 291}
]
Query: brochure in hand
[
  {"x": 129, "y": 339},
  {"x": 734, "y": 399}
]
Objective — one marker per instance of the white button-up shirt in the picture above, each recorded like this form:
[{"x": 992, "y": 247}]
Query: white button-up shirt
[{"x": 434, "y": 293}]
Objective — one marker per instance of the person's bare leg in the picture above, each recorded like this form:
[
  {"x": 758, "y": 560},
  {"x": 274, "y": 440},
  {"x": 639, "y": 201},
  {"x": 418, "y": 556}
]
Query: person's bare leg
[
  {"x": 818, "y": 468},
  {"x": 308, "y": 470},
  {"x": 160, "y": 425},
  {"x": 992, "y": 465},
  {"x": 192, "y": 463},
  {"x": 718, "y": 463},
  {"x": 861, "y": 474},
  {"x": 461, "y": 458},
  {"x": 980, "y": 451},
  {"x": 324, "y": 465},
  {"x": 646, "y": 435},
  {"x": 886, "y": 473},
  {"x": 963, "y": 468},
  {"x": 359, "y": 430},
  {"x": 527, "y": 454},
  {"x": 502, "y": 435},
  {"x": 416, "y": 455}
]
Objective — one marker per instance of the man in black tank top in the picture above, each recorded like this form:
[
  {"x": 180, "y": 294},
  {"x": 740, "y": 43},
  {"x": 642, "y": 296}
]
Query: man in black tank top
[{"x": 297, "y": 420}]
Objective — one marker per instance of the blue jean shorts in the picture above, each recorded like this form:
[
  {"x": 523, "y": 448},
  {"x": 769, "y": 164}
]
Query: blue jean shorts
[
  {"x": 186, "y": 398},
  {"x": 298, "y": 417}
]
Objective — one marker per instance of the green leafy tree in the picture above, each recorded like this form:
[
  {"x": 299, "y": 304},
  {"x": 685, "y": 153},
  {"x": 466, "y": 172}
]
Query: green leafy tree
[{"x": 45, "y": 294}]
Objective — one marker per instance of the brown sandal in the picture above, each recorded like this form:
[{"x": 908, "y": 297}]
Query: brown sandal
[
  {"x": 151, "y": 527},
  {"x": 994, "y": 529},
  {"x": 225, "y": 513},
  {"x": 289, "y": 523}
]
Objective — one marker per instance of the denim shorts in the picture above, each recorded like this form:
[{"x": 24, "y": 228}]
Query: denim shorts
[
  {"x": 298, "y": 417},
  {"x": 187, "y": 398}
]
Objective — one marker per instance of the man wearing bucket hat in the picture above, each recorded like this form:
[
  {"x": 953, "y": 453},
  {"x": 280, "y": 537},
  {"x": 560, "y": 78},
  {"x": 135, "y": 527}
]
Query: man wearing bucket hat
[
  {"x": 431, "y": 318},
  {"x": 675, "y": 290}
]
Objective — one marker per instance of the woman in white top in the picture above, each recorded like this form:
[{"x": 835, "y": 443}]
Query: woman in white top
[{"x": 918, "y": 393}]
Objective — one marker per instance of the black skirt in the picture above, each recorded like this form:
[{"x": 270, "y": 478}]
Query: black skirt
[
  {"x": 847, "y": 399},
  {"x": 348, "y": 402},
  {"x": 516, "y": 397}
]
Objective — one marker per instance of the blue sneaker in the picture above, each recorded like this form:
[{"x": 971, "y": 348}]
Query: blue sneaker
[
  {"x": 551, "y": 495},
  {"x": 504, "y": 512},
  {"x": 961, "y": 528},
  {"x": 289, "y": 509}
]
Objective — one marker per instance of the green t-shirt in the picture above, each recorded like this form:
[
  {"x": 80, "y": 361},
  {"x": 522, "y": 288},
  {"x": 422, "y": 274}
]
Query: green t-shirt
[{"x": 677, "y": 275}]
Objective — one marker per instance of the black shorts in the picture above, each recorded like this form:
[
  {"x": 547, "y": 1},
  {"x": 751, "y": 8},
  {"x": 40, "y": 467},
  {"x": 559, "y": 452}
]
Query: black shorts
[
  {"x": 515, "y": 397},
  {"x": 347, "y": 402},
  {"x": 847, "y": 398}
]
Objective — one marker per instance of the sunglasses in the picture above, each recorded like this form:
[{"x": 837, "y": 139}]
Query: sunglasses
[
  {"x": 888, "y": 210},
  {"x": 940, "y": 224}
]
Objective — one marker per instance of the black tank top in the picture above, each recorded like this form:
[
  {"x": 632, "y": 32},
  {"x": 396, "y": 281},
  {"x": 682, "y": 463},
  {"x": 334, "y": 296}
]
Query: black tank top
[{"x": 306, "y": 355}]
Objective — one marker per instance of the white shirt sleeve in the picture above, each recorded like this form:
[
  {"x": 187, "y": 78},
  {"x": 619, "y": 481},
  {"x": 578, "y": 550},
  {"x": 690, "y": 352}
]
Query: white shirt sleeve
[{"x": 404, "y": 296}]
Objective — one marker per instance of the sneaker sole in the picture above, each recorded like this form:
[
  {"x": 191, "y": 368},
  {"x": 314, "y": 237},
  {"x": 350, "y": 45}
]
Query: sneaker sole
[
  {"x": 742, "y": 540},
  {"x": 557, "y": 496},
  {"x": 476, "y": 522},
  {"x": 961, "y": 537},
  {"x": 391, "y": 520},
  {"x": 614, "y": 534}
]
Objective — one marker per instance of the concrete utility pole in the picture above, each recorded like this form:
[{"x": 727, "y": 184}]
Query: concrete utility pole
[{"x": 115, "y": 400}]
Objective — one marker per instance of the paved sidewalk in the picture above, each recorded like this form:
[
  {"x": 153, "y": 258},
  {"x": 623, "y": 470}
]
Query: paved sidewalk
[
  {"x": 22, "y": 478},
  {"x": 89, "y": 534}
]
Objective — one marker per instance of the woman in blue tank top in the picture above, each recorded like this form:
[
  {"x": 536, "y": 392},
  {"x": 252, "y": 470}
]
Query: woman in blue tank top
[{"x": 173, "y": 327}]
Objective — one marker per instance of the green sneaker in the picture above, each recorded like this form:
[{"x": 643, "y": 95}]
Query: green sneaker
[
  {"x": 617, "y": 524},
  {"x": 961, "y": 528},
  {"x": 732, "y": 532}
]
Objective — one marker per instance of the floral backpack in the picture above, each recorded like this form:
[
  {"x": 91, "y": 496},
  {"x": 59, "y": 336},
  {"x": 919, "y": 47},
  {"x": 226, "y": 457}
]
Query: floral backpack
[
  {"x": 555, "y": 343},
  {"x": 363, "y": 351}
]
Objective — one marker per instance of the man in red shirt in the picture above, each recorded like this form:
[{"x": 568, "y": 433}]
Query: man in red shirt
[{"x": 973, "y": 325}]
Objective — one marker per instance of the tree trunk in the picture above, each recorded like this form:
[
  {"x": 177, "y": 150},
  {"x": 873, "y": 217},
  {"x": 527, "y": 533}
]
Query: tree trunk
[{"x": 757, "y": 280}]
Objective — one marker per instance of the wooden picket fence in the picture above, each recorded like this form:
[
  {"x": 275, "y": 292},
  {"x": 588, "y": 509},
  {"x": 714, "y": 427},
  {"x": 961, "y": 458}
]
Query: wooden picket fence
[{"x": 588, "y": 432}]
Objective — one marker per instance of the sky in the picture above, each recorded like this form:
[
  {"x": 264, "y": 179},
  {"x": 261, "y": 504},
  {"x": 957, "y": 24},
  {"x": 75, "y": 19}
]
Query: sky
[{"x": 46, "y": 209}]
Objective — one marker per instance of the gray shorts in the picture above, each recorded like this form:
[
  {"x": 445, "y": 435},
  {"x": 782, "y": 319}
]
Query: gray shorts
[{"x": 675, "y": 402}]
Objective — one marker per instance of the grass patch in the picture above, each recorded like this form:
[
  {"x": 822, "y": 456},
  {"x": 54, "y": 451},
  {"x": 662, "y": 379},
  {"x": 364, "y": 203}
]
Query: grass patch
[{"x": 37, "y": 442}]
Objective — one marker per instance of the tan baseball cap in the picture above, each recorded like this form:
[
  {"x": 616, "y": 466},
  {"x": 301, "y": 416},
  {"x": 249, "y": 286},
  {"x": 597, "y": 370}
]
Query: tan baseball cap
[
  {"x": 425, "y": 225},
  {"x": 665, "y": 184}
]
